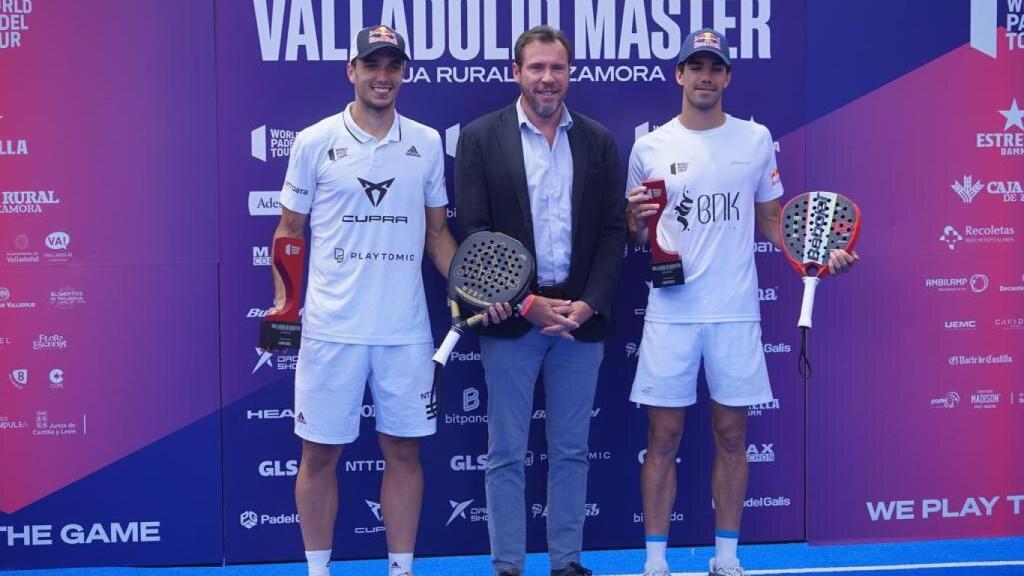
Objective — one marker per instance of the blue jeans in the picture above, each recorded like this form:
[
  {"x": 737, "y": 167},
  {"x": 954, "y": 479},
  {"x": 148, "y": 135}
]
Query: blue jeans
[{"x": 511, "y": 366}]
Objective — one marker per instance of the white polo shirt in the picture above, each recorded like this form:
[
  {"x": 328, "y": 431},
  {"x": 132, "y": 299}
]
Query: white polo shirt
[
  {"x": 365, "y": 199},
  {"x": 713, "y": 178}
]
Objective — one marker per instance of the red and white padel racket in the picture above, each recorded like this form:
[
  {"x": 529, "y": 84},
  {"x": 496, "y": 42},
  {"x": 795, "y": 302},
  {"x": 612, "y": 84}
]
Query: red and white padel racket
[{"x": 813, "y": 225}]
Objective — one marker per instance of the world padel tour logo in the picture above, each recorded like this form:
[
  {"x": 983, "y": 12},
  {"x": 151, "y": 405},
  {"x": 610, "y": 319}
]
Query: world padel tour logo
[
  {"x": 1009, "y": 142},
  {"x": 271, "y": 143},
  {"x": 985, "y": 35},
  {"x": 13, "y": 22}
]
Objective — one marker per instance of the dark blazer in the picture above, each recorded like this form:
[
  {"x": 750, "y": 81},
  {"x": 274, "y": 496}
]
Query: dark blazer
[{"x": 491, "y": 194}]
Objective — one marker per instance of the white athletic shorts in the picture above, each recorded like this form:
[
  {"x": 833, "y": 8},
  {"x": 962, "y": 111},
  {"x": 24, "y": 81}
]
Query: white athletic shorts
[
  {"x": 330, "y": 380},
  {"x": 670, "y": 355}
]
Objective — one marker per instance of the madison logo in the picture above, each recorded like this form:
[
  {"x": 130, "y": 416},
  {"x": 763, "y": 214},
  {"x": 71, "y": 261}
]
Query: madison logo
[
  {"x": 375, "y": 191},
  {"x": 683, "y": 210}
]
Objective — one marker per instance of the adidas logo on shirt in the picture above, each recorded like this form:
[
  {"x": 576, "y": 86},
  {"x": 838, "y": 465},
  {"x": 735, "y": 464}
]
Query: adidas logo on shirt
[
  {"x": 412, "y": 151},
  {"x": 300, "y": 418}
]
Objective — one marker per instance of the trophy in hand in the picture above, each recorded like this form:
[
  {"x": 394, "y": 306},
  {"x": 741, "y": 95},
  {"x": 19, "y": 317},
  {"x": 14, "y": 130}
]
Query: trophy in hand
[
  {"x": 666, "y": 267},
  {"x": 282, "y": 330}
]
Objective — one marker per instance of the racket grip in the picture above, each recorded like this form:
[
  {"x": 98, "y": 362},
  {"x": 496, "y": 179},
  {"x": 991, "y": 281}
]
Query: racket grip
[
  {"x": 807, "y": 306},
  {"x": 446, "y": 347}
]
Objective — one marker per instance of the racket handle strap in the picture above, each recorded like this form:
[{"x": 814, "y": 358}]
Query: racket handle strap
[
  {"x": 446, "y": 347},
  {"x": 807, "y": 306}
]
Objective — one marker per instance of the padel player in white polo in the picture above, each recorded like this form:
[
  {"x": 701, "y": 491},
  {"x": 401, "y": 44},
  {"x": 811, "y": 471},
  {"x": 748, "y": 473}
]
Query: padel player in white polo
[{"x": 371, "y": 184}]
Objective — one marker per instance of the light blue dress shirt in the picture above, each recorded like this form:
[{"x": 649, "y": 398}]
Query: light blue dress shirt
[{"x": 549, "y": 182}]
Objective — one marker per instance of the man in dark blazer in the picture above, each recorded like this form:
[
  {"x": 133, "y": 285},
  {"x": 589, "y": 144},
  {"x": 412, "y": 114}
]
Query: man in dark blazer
[{"x": 549, "y": 178}]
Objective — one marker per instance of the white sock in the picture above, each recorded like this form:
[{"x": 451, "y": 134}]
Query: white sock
[
  {"x": 399, "y": 564},
  {"x": 318, "y": 562},
  {"x": 725, "y": 548},
  {"x": 656, "y": 545}
]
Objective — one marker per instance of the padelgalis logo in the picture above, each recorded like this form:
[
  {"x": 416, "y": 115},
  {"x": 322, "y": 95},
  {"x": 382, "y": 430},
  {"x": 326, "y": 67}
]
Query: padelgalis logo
[{"x": 375, "y": 191}]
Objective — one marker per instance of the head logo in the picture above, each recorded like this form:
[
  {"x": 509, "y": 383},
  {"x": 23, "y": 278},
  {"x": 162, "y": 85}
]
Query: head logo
[
  {"x": 19, "y": 378},
  {"x": 950, "y": 236},
  {"x": 979, "y": 283},
  {"x": 967, "y": 189},
  {"x": 58, "y": 241},
  {"x": 248, "y": 519},
  {"x": 380, "y": 188},
  {"x": 458, "y": 510},
  {"x": 265, "y": 358}
]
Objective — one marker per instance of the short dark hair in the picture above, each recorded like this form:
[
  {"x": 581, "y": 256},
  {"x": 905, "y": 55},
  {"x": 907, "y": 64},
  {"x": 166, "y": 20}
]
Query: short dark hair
[{"x": 541, "y": 34}]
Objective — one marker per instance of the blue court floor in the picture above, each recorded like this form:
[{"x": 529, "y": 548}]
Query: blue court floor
[{"x": 994, "y": 556}]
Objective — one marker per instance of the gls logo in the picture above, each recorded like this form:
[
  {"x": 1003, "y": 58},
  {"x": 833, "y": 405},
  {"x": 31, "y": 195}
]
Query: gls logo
[
  {"x": 466, "y": 463},
  {"x": 275, "y": 468},
  {"x": 378, "y": 188}
]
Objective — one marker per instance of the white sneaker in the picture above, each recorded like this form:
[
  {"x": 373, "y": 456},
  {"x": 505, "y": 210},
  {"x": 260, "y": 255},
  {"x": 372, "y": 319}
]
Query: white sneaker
[
  {"x": 736, "y": 570},
  {"x": 658, "y": 572}
]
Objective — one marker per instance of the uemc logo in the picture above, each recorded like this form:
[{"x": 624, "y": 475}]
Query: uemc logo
[
  {"x": 766, "y": 453},
  {"x": 961, "y": 324}
]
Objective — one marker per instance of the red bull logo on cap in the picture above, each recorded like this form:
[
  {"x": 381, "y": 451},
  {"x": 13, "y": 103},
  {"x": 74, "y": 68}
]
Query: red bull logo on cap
[
  {"x": 707, "y": 40},
  {"x": 383, "y": 34}
]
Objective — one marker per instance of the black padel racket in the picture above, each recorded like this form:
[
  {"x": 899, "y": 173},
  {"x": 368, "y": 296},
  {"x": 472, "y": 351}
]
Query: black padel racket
[
  {"x": 488, "y": 268},
  {"x": 813, "y": 225}
]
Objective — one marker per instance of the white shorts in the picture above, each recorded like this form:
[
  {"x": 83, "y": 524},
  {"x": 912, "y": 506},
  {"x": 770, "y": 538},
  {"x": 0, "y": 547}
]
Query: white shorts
[
  {"x": 331, "y": 378},
  {"x": 670, "y": 355}
]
